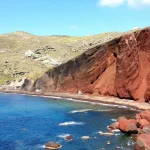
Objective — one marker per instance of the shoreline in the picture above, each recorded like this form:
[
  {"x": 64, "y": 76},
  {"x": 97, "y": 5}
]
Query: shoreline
[{"x": 88, "y": 98}]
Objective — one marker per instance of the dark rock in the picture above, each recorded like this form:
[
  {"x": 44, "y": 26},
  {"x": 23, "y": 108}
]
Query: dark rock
[
  {"x": 27, "y": 85},
  {"x": 6, "y": 62},
  {"x": 8, "y": 82},
  {"x": 134, "y": 137},
  {"x": 19, "y": 73}
]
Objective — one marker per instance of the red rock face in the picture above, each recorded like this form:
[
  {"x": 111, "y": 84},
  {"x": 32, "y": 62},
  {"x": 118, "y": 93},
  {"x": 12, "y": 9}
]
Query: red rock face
[
  {"x": 143, "y": 142},
  {"x": 145, "y": 115},
  {"x": 128, "y": 126},
  {"x": 119, "y": 68},
  {"x": 143, "y": 122}
]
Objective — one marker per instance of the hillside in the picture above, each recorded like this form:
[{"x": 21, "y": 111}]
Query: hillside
[
  {"x": 119, "y": 67},
  {"x": 23, "y": 55}
]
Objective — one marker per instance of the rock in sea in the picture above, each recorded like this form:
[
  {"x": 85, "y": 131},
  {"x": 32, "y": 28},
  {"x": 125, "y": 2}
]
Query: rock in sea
[
  {"x": 85, "y": 137},
  {"x": 52, "y": 146},
  {"x": 68, "y": 138},
  {"x": 128, "y": 126},
  {"x": 108, "y": 142}
]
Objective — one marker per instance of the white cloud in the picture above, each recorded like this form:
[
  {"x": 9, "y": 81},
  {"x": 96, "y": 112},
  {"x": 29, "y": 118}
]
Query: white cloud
[
  {"x": 146, "y": 2},
  {"x": 112, "y": 3},
  {"x": 135, "y": 28},
  {"x": 130, "y": 3},
  {"x": 73, "y": 27}
]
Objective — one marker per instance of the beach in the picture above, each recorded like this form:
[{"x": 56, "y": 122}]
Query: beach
[{"x": 89, "y": 99}]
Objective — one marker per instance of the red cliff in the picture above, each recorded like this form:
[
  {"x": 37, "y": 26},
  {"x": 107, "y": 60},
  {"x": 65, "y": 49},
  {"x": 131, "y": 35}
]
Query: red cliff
[{"x": 119, "y": 68}]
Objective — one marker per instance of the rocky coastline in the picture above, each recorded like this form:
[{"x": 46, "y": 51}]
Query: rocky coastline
[{"x": 138, "y": 129}]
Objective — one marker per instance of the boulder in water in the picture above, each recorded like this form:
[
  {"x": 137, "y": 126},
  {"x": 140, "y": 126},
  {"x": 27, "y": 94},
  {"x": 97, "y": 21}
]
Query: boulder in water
[
  {"x": 128, "y": 126},
  {"x": 68, "y": 138},
  {"x": 85, "y": 137},
  {"x": 52, "y": 146}
]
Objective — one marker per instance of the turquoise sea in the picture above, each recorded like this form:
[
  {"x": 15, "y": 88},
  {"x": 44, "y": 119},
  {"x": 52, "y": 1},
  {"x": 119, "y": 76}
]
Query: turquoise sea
[{"x": 28, "y": 122}]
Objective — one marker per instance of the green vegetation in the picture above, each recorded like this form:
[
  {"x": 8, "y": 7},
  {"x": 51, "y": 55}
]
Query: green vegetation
[{"x": 23, "y": 55}]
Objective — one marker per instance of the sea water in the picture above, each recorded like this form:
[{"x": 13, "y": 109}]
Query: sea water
[{"x": 28, "y": 123}]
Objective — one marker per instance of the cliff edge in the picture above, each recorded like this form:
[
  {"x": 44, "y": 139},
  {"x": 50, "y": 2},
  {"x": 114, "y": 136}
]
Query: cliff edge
[{"x": 120, "y": 67}]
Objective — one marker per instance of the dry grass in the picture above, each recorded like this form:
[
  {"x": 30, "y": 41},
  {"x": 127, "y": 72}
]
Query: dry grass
[{"x": 14, "y": 46}]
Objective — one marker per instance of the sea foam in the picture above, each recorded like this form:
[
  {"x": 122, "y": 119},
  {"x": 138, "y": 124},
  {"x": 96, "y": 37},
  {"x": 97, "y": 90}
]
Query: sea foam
[
  {"x": 70, "y": 123},
  {"x": 80, "y": 111},
  {"x": 114, "y": 120},
  {"x": 63, "y": 135}
]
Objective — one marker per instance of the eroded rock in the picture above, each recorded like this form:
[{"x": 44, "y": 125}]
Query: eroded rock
[
  {"x": 145, "y": 115},
  {"x": 116, "y": 68},
  {"x": 128, "y": 126},
  {"x": 143, "y": 122},
  {"x": 143, "y": 142},
  {"x": 146, "y": 129}
]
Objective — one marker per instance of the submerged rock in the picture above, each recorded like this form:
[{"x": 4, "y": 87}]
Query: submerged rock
[
  {"x": 68, "y": 137},
  {"x": 134, "y": 137},
  {"x": 108, "y": 142},
  {"x": 105, "y": 133},
  {"x": 52, "y": 146},
  {"x": 85, "y": 137}
]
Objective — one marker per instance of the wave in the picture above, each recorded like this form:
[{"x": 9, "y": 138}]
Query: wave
[
  {"x": 71, "y": 123},
  {"x": 80, "y": 111},
  {"x": 114, "y": 120},
  {"x": 63, "y": 135},
  {"x": 41, "y": 146},
  {"x": 85, "y": 110}
]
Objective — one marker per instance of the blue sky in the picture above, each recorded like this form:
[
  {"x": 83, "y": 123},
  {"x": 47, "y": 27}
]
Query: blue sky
[{"x": 73, "y": 17}]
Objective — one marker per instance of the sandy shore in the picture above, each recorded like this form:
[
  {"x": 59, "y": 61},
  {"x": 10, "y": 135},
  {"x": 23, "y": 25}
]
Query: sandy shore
[{"x": 89, "y": 98}]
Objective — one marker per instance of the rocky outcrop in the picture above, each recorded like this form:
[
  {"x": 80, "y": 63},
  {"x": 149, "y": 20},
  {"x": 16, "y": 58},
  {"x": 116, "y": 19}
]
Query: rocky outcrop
[
  {"x": 143, "y": 142},
  {"x": 116, "y": 68},
  {"x": 138, "y": 128},
  {"x": 68, "y": 138},
  {"x": 27, "y": 85},
  {"x": 52, "y": 145},
  {"x": 128, "y": 126}
]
